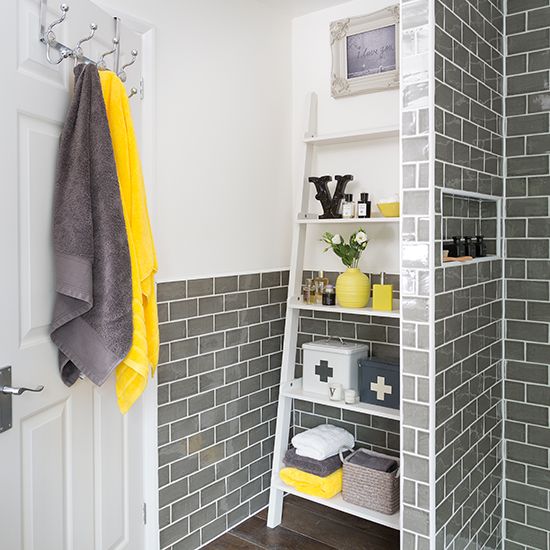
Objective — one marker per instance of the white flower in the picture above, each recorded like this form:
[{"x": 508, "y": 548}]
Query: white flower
[
  {"x": 336, "y": 239},
  {"x": 361, "y": 237}
]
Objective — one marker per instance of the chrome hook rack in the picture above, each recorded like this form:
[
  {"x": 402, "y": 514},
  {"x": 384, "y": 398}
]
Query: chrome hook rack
[
  {"x": 77, "y": 52},
  {"x": 101, "y": 65},
  {"x": 122, "y": 73},
  {"x": 49, "y": 38}
]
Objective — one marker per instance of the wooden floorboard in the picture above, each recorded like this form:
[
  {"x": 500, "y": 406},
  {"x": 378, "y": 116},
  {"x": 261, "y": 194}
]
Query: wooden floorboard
[
  {"x": 256, "y": 531},
  {"x": 308, "y": 526},
  {"x": 231, "y": 542}
]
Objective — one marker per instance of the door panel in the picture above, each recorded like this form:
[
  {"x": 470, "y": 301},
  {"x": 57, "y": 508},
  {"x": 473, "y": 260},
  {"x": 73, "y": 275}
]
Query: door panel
[
  {"x": 72, "y": 473},
  {"x": 38, "y": 144}
]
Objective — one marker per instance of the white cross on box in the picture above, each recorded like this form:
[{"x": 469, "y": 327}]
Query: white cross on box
[{"x": 381, "y": 388}]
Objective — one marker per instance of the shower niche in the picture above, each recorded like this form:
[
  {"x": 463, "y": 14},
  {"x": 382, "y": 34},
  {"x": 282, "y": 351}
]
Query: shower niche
[{"x": 470, "y": 219}]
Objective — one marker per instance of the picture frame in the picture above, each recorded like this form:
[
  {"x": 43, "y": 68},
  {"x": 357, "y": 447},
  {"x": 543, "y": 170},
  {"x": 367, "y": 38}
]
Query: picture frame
[{"x": 365, "y": 53}]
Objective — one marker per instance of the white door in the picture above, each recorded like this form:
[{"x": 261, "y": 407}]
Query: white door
[{"x": 71, "y": 465}]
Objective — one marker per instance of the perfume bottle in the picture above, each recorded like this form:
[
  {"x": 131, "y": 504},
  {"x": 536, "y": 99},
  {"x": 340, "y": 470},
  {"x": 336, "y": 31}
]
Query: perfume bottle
[
  {"x": 320, "y": 282},
  {"x": 311, "y": 294},
  {"x": 364, "y": 206},
  {"x": 348, "y": 207}
]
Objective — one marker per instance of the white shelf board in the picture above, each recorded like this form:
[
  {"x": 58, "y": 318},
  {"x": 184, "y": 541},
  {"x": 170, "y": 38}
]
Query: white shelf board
[
  {"x": 296, "y": 303},
  {"x": 358, "y": 221},
  {"x": 338, "y": 503},
  {"x": 473, "y": 261},
  {"x": 294, "y": 390},
  {"x": 354, "y": 135}
]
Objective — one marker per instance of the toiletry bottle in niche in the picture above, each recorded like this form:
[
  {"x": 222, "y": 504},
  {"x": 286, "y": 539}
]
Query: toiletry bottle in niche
[
  {"x": 348, "y": 207},
  {"x": 364, "y": 206},
  {"x": 320, "y": 283},
  {"x": 481, "y": 246},
  {"x": 459, "y": 249},
  {"x": 470, "y": 247},
  {"x": 329, "y": 296}
]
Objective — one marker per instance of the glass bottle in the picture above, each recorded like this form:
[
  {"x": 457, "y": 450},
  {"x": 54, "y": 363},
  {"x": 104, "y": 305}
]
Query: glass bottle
[
  {"x": 320, "y": 283},
  {"x": 306, "y": 289},
  {"x": 364, "y": 206},
  {"x": 312, "y": 298},
  {"x": 348, "y": 207},
  {"x": 329, "y": 296}
]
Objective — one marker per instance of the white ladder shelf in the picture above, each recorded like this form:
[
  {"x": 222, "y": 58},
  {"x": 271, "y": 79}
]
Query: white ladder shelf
[{"x": 291, "y": 388}]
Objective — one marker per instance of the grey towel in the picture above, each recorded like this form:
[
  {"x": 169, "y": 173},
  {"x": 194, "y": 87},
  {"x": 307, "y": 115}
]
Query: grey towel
[
  {"x": 92, "y": 320},
  {"x": 378, "y": 463},
  {"x": 321, "y": 468}
]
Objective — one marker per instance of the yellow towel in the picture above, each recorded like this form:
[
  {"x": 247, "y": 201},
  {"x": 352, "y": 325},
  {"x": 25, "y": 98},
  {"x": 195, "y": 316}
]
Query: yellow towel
[
  {"x": 132, "y": 373},
  {"x": 324, "y": 487}
]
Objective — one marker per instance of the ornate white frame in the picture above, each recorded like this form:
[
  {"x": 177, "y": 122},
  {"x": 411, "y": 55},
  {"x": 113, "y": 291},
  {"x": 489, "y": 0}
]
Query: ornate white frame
[{"x": 341, "y": 85}]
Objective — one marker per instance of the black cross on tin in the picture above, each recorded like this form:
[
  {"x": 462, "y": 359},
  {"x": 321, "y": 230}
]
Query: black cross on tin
[{"x": 323, "y": 371}]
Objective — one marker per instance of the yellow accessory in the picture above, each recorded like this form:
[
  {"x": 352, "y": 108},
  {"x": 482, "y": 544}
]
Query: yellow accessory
[
  {"x": 353, "y": 288},
  {"x": 389, "y": 209},
  {"x": 382, "y": 297},
  {"x": 132, "y": 373},
  {"x": 323, "y": 487}
]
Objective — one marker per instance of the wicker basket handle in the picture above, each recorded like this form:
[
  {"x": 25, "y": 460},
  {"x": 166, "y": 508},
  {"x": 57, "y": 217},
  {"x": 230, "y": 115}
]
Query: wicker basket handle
[{"x": 342, "y": 451}]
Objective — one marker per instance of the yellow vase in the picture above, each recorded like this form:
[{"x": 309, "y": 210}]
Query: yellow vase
[{"x": 353, "y": 288}]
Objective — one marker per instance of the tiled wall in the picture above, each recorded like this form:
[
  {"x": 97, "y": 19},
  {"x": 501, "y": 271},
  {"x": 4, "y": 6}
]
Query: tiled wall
[
  {"x": 527, "y": 308},
  {"x": 468, "y": 303},
  {"x": 417, "y": 260},
  {"x": 221, "y": 342}
]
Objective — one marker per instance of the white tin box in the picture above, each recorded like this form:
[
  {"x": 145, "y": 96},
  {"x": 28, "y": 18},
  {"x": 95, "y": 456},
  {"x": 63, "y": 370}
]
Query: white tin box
[{"x": 328, "y": 361}]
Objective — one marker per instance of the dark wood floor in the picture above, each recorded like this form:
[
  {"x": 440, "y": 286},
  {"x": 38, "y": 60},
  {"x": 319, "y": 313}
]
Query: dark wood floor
[{"x": 308, "y": 526}]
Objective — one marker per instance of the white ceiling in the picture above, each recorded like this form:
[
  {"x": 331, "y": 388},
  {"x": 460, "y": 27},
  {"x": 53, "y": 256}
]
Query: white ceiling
[{"x": 301, "y": 7}]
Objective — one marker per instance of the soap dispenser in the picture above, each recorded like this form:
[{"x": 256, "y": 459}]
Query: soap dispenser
[{"x": 382, "y": 296}]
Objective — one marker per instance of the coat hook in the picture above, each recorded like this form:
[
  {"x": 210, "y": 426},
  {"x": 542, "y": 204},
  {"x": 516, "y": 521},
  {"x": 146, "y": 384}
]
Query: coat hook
[
  {"x": 50, "y": 38},
  {"x": 133, "y": 92},
  {"x": 101, "y": 65},
  {"x": 77, "y": 52},
  {"x": 122, "y": 72}
]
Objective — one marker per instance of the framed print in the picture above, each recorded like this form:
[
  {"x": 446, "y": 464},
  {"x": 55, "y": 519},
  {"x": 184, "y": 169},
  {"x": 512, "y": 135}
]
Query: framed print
[{"x": 365, "y": 53}]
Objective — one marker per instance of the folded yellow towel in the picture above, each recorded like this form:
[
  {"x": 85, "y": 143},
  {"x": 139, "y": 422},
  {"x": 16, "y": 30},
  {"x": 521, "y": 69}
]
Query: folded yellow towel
[
  {"x": 132, "y": 373},
  {"x": 323, "y": 487}
]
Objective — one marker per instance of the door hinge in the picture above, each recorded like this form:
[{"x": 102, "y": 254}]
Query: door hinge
[
  {"x": 141, "y": 88},
  {"x": 144, "y": 513}
]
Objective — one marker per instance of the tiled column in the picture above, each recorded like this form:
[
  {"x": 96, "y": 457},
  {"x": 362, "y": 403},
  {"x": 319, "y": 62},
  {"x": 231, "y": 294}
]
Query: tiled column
[
  {"x": 417, "y": 261},
  {"x": 527, "y": 311}
]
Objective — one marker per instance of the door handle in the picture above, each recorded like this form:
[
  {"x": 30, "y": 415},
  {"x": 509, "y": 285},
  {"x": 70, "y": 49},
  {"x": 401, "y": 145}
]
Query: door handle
[
  {"x": 8, "y": 390},
  {"x": 6, "y": 394}
]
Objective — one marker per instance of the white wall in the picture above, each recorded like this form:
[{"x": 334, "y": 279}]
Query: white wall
[
  {"x": 375, "y": 166},
  {"x": 223, "y": 121}
]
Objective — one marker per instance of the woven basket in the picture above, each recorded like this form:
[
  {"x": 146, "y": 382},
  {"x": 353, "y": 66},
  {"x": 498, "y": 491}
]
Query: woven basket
[{"x": 371, "y": 489}]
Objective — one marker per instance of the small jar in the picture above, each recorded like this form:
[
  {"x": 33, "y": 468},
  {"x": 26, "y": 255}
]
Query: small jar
[{"x": 329, "y": 296}]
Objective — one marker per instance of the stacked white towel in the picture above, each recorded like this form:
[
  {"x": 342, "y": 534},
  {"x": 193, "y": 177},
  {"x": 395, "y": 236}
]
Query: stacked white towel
[{"x": 322, "y": 442}]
